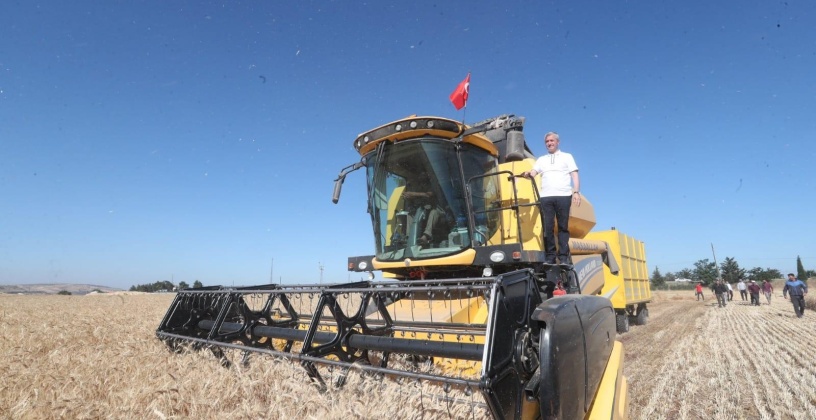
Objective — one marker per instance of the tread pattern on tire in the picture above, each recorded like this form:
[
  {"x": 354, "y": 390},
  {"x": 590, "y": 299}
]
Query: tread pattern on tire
[{"x": 622, "y": 323}]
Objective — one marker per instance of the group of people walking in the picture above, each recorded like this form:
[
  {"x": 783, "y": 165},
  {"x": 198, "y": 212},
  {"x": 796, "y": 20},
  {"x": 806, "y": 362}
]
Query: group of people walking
[
  {"x": 794, "y": 287},
  {"x": 753, "y": 289},
  {"x": 723, "y": 291}
]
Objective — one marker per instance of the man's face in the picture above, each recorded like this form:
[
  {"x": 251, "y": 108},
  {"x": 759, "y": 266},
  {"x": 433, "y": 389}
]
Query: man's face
[
  {"x": 791, "y": 278},
  {"x": 552, "y": 143}
]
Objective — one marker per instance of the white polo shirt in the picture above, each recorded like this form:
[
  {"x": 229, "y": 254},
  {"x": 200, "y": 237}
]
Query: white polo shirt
[{"x": 555, "y": 171}]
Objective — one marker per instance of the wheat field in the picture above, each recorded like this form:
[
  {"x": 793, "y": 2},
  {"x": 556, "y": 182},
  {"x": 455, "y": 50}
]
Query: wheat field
[
  {"x": 695, "y": 360},
  {"x": 97, "y": 356}
]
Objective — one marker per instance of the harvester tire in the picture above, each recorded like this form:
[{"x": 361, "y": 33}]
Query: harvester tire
[{"x": 622, "y": 323}]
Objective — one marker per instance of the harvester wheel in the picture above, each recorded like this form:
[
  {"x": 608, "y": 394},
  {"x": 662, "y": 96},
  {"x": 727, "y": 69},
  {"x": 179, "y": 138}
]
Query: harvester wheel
[{"x": 622, "y": 322}]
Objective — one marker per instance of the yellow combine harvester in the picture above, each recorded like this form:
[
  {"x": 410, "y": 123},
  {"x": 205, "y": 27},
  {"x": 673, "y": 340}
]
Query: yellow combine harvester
[{"x": 469, "y": 303}]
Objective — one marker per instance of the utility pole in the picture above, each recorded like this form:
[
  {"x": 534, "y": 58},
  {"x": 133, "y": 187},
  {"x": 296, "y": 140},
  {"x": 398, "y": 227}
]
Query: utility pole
[
  {"x": 715, "y": 261},
  {"x": 272, "y": 272},
  {"x": 320, "y": 267}
]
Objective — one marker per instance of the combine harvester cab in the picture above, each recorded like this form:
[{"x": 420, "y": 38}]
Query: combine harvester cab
[{"x": 467, "y": 303}]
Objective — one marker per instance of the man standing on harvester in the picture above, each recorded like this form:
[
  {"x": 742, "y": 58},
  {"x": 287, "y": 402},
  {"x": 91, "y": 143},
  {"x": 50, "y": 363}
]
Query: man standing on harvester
[{"x": 559, "y": 189}]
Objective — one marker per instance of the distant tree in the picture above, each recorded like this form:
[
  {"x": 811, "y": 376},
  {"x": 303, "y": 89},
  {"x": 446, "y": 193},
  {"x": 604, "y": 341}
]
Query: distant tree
[
  {"x": 657, "y": 279},
  {"x": 772, "y": 274},
  {"x": 759, "y": 274},
  {"x": 64, "y": 292},
  {"x": 183, "y": 285},
  {"x": 810, "y": 273},
  {"x": 159, "y": 286},
  {"x": 705, "y": 271},
  {"x": 197, "y": 284},
  {"x": 669, "y": 277},
  {"x": 801, "y": 274},
  {"x": 685, "y": 274},
  {"x": 731, "y": 271}
]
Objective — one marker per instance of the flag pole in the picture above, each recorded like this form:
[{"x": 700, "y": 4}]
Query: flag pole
[
  {"x": 460, "y": 96},
  {"x": 464, "y": 111}
]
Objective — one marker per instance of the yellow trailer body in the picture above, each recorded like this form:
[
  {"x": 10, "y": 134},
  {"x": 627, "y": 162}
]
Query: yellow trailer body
[{"x": 629, "y": 289}]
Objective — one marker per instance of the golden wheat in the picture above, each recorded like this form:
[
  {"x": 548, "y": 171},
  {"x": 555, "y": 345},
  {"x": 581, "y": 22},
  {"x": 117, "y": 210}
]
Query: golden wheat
[{"x": 97, "y": 356}]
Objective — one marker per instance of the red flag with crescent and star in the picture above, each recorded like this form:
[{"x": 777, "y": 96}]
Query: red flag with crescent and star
[{"x": 459, "y": 96}]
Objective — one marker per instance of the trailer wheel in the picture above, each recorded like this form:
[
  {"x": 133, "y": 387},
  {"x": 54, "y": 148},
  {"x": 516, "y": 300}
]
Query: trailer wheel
[
  {"x": 622, "y": 322},
  {"x": 642, "y": 316}
]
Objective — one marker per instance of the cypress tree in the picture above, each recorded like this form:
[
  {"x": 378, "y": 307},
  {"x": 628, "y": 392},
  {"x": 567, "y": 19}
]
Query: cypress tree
[{"x": 801, "y": 274}]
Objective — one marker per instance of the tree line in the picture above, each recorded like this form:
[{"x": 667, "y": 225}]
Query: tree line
[
  {"x": 163, "y": 286},
  {"x": 705, "y": 271}
]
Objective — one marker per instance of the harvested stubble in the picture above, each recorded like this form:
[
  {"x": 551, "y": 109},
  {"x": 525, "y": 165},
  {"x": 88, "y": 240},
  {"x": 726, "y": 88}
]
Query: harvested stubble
[
  {"x": 695, "y": 360},
  {"x": 97, "y": 356}
]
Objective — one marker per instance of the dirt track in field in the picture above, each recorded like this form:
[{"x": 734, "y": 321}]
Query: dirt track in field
[{"x": 695, "y": 360}]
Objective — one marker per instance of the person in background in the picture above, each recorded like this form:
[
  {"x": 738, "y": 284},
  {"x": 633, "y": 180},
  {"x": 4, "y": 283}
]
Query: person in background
[
  {"x": 698, "y": 291},
  {"x": 721, "y": 292},
  {"x": 559, "y": 290},
  {"x": 767, "y": 289},
  {"x": 797, "y": 289},
  {"x": 743, "y": 290},
  {"x": 558, "y": 191},
  {"x": 753, "y": 289},
  {"x": 730, "y": 291}
]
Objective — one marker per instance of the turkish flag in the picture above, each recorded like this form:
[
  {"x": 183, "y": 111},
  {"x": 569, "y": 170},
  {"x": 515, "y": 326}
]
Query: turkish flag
[{"x": 459, "y": 96}]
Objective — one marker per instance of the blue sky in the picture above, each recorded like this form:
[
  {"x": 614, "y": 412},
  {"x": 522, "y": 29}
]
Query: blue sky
[{"x": 154, "y": 140}]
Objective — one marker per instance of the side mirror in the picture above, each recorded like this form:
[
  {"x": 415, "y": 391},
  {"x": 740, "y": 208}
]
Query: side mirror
[
  {"x": 338, "y": 183},
  {"x": 515, "y": 146}
]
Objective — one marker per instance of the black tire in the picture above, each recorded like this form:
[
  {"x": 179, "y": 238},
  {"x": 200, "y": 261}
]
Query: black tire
[
  {"x": 622, "y": 323},
  {"x": 642, "y": 316}
]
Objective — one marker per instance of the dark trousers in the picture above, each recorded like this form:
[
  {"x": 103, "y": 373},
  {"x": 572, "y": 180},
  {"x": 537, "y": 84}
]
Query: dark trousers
[
  {"x": 744, "y": 294},
  {"x": 755, "y": 298},
  {"x": 556, "y": 209},
  {"x": 798, "y": 305},
  {"x": 721, "y": 299}
]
